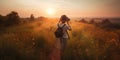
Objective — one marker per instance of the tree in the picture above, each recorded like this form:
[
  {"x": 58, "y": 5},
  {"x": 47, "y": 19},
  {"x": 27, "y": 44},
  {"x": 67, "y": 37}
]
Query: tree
[
  {"x": 12, "y": 18},
  {"x": 0, "y": 18},
  {"x": 83, "y": 20},
  {"x": 32, "y": 17},
  {"x": 106, "y": 21},
  {"x": 92, "y": 21}
]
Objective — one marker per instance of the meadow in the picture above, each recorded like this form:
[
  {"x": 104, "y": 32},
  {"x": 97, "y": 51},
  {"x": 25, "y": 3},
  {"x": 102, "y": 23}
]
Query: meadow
[{"x": 35, "y": 40}]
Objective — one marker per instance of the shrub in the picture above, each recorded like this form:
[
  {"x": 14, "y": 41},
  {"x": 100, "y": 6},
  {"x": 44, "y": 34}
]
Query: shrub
[{"x": 12, "y": 19}]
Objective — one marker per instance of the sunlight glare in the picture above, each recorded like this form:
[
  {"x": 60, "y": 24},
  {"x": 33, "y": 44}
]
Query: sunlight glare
[{"x": 50, "y": 11}]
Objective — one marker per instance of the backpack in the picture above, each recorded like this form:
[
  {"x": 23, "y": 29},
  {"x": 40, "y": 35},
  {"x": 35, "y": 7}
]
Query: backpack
[{"x": 59, "y": 31}]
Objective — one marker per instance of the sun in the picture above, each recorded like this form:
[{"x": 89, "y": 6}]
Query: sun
[{"x": 50, "y": 11}]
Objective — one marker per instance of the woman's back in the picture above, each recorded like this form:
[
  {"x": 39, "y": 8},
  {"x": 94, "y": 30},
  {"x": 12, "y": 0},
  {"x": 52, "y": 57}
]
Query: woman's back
[{"x": 65, "y": 27}]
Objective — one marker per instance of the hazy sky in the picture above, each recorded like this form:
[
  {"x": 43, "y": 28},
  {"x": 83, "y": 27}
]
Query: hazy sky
[{"x": 72, "y": 8}]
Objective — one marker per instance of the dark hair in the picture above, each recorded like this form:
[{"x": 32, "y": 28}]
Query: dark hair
[{"x": 64, "y": 17}]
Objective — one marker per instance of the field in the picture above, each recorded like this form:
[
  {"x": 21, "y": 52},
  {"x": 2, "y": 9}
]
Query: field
[{"x": 35, "y": 41}]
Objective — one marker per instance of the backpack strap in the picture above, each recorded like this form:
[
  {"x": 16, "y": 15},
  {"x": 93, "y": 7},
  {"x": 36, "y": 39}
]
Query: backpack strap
[
  {"x": 66, "y": 31},
  {"x": 63, "y": 25}
]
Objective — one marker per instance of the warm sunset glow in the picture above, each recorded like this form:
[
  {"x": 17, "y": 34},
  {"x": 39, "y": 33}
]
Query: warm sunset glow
[
  {"x": 55, "y": 8},
  {"x": 50, "y": 11}
]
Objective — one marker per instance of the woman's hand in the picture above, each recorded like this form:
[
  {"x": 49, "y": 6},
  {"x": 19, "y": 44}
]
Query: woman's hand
[{"x": 68, "y": 23}]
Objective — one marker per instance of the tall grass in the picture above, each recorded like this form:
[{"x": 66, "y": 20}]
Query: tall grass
[
  {"x": 92, "y": 43},
  {"x": 35, "y": 40}
]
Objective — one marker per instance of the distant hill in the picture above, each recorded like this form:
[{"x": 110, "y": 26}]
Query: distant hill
[{"x": 112, "y": 20}]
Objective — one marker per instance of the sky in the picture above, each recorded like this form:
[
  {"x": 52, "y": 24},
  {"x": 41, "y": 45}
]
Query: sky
[{"x": 72, "y": 8}]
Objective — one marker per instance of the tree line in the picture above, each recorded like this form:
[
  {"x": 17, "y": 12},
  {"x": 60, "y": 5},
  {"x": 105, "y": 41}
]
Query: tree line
[{"x": 12, "y": 18}]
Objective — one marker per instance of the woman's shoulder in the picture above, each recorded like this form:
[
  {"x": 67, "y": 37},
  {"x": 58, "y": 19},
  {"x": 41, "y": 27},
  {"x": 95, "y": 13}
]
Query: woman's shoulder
[{"x": 62, "y": 24}]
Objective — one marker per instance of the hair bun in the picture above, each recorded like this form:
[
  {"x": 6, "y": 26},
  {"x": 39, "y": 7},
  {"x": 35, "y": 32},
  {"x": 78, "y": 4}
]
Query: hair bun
[{"x": 64, "y": 17}]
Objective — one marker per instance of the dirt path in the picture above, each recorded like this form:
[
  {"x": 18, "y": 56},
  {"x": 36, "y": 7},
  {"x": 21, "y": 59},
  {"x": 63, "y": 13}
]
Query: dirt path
[{"x": 56, "y": 53}]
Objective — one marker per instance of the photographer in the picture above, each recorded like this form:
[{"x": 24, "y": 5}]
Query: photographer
[{"x": 64, "y": 23}]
